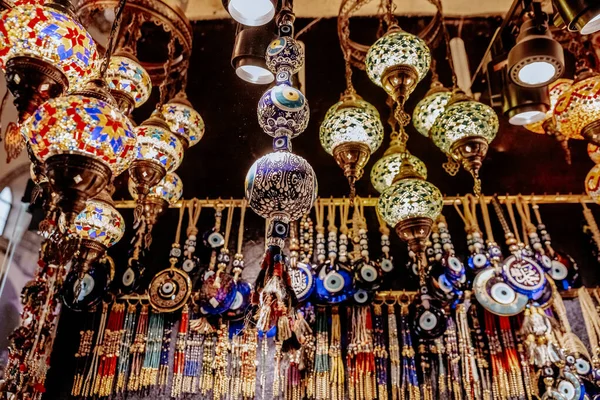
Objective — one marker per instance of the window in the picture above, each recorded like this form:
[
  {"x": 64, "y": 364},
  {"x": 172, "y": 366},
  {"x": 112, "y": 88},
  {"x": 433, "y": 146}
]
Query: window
[{"x": 5, "y": 206}]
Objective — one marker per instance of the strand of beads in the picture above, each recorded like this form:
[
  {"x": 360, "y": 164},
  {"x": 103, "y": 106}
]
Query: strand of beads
[
  {"x": 306, "y": 239},
  {"x": 343, "y": 247},
  {"x": 381, "y": 353},
  {"x": 336, "y": 363},
  {"x": 332, "y": 233},
  {"x": 163, "y": 372},
  {"x": 179, "y": 357},
  {"x": 394, "y": 352},
  {"x": 125, "y": 345},
  {"x": 320, "y": 216},
  {"x": 322, "y": 355}
]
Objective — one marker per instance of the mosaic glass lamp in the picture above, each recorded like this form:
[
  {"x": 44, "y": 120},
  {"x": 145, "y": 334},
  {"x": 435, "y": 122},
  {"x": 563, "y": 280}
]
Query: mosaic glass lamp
[
  {"x": 84, "y": 141},
  {"x": 387, "y": 167},
  {"x": 592, "y": 183},
  {"x": 44, "y": 52},
  {"x": 397, "y": 62},
  {"x": 410, "y": 205},
  {"x": 351, "y": 132},
  {"x": 98, "y": 226},
  {"x": 166, "y": 193},
  {"x": 183, "y": 120},
  {"x": 464, "y": 131},
  {"x": 158, "y": 152},
  {"x": 128, "y": 81},
  {"x": 577, "y": 111},
  {"x": 430, "y": 108}
]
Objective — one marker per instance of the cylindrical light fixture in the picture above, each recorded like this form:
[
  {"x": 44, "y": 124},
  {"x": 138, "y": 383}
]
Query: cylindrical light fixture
[
  {"x": 537, "y": 59},
  {"x": 251, "y": 12},
  {"x": 524, "y": 105},
  {"x": 578, "y": 15},
  {"x": 248, "y": 56}
]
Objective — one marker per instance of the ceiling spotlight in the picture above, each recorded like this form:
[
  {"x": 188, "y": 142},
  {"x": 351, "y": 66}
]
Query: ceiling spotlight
[
  {"x": 578, "y": 15},
  {"x": 537, "y": 59},
  {"x": 524, "y": 105},
  {"x": 251, "y": 12},
  {"x": 248, "y": 56}
]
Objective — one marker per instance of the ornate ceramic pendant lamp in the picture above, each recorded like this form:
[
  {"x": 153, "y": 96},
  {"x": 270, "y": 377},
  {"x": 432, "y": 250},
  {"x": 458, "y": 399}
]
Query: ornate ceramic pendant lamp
[
  {"x": 128, "y": 81},
  {"x": 432, "y": 105},
  {"x": 352, "y": 129},
  {"x": 280, "y": 186}
]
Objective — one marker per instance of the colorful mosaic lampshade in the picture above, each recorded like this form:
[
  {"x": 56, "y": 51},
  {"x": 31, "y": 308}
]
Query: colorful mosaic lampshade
[
  {"x": 410, "y": 205},
  {"x": 158, "y": 152},
  {"x": 281, "y": 184},
  {"x": 387, "y": 167},
  {"x": 99, "y": 222},
  {"x": 398, "y": 54},
  {"x": 429, "y": 109},
  {"x": 183, "y": 120},
  {"x": 169, "y": 189},
  {"x": 592, "y": 183},
  {"x": 577, "y": 111},
  {"x": 128, "y": 81},
  {"x": 78, "y": 124},
  {"x": 555, "y": 90},
  {"x": 43, "y": 51},
  {"x": 594, "y": 152}
]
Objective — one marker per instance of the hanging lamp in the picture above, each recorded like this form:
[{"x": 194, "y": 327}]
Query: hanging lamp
[
  {"x": 44, "y": 51},
  {"x": 352, "y": 129},
  {"x": 428, "y": 110},
  {"x": 128, "y": 81},
  {"x": 183, "y": 120}
]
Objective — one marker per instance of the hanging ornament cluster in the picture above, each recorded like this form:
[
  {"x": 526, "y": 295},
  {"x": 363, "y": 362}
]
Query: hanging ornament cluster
[{"x": 280, "y": 186}]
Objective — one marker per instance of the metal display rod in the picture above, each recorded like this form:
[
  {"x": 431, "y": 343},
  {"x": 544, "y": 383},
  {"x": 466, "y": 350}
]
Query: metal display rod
[{"x": 372, "y": 201}]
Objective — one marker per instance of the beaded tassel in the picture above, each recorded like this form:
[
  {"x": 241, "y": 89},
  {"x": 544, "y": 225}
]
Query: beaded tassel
[
  {"x": 482, "y": 354},
  {"x": 336, "y": 377},
  {"x": 235, "y": 368},
  {"x": 152, "y": 357},
  {"x": 208, "y": 356},
  {"x": 83, "y": 352},
  {"x": 322, "y": 356},
  {"x": 410, "y": 381},
  {"x": 193, "y": 350},
  {"x": 90, "y": 380},
  {"x": 249, "y": 362},
  {"x": 179, "y": 357},
  {"x": 220, "y": 363},
  {"x": 124, "y": 349},
  {"x": 306, "y": 355},
  {"x": 453, "y": 359},
  {"x": 394, "y": 346},
  {"x": 137, "y": 350},
  {"x": 381, "y": 354},
  {"x": 163, "y": 372},
  {"x": 106, "y": 369}
]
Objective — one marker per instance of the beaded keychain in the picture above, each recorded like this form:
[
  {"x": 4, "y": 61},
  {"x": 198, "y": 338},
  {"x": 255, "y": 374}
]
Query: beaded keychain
[
  {"x": 241, "y": 304},
  {"x": 380, "y": 352},
  {"x": 306, "y": 239},
  {"x": 322, "y": 355},
  {"x": 190, "y": 262},
  {"x": 179, "y": 356},
  {"x": 336, "y": 362},
  {"x": 386, "y": 262},
  {"x": 394, "y": 351},
  {"x": 124, "y": 347},
  {"x": 533, "y": 242},
  {"x": 478, "y": 259},
  {"x": 367, "y": 273}
]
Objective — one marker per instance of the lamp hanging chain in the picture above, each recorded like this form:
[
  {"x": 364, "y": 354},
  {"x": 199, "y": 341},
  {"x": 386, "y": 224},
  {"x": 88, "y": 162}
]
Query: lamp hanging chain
[
  {"x": 438, "y": 4},
  {"x": 166, "y": 68},
  {"x": 112, "y": 39},
  {"x": 389, "y": 18},
  {"x": 343, "y": 26}
]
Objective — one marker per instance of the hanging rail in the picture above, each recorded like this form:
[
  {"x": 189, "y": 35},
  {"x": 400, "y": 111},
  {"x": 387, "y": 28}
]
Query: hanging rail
[{"x": 372, "y": 201}]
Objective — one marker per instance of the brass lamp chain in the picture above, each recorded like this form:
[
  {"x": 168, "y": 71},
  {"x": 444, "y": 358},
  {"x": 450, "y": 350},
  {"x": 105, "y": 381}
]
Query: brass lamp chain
[
  {"x": 389, "y": 17},
  {"x": 166, "y": 68},
  {"x": 112, "y": 38}
]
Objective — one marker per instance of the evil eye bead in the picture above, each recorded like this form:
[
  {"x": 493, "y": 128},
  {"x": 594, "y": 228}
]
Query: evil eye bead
[
  {"x": 495, "y": 252},
  {"x": 237, "y": 302},
  {"x": 455, "y": 265},
  {"x": 84, "y": 286},
  {"x": 188, "y": 265},
  {"x": 215, "y": 240},
  {"x": 368, "y": 273},
  {"x": 558, "y": 271},
  {"x": 567, "y": 389},
  {"x": 167, "y": 289},
  {"x": 428, "y": 320},
  {"x": 545, "y": 261},
  {"x": 288, "y": 98},
  {"x": 445, "y": 284},
  {"x": 128, "y": 277},
  {"x": 583, "y": 366},
  {"x": 387, "y": 265},
  {"x": 478, "y": 261},
  {"x": 283, "y": 111},
  {"x": 361, "y": 297},
  {"x": 502, "y": 293},
  {"x": 333, "y": 282}
]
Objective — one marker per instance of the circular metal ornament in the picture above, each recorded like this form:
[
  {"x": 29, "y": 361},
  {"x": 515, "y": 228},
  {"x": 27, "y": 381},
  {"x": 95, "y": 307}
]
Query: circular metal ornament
[
  {"x": 169, "y": 290},
  {"x": 429, "y": 319},
  {"x": 496, "y": 296},
  {"x": 524, "y": 275},
  {"x": 302, "y": 280},
  {"x": 82, "y": 292}
]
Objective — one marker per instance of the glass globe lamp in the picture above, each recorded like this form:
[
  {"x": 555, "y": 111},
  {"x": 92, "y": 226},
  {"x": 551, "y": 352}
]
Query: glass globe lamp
[
  {"x": 98, "y": 226},
  {"x": 83, "y": 140},
  {"x": 128, "y": 81},
  {"x": 577, "y": 112},
  {"x": 593, "y": 151},
  {"x": 166, "y": 193},
  {"x": 44, "y": 51},
  {"x": 397, "y": 62},
  {"x": 158, "y": 152},
  {"x": 351, "y": 132},
  {"x": 430, "y": 108},
  {"x": 555, "y": 90},
  {"x": 465, "y": 130},
  {"x": 592, "y": 183},
  {"x": 410, "y": 205},
  {"x": 387, "y": 167},
  {"x": 281, "y": 184},
  {"x": 183, "y": 120}
]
